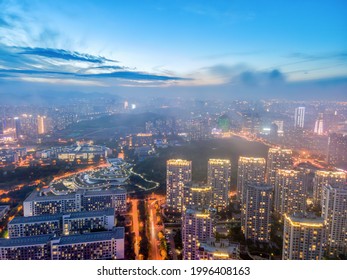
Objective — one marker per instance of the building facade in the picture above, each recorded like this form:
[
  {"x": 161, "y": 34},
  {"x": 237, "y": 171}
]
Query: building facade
[
  {"x": 178, "y": 174},
  {"x": 290, "y": 192},
  {"x": 256, "y": 222},
  {"x": 303, "y": 238},
  {"x": 82, "y": 200},
  {"x": 299, "y": 117},
  {"x": 334, "y": 213},
  {"x": 197, "y": 226},
  {"x": 277, "y": 159},
  {"x": 322, "y": 178},
  {"x": 250, "y": 171},
  {"x": 218, "y": 178},
  {"x": 62, "y": 224},
  {"x": 90, "y": 246}
]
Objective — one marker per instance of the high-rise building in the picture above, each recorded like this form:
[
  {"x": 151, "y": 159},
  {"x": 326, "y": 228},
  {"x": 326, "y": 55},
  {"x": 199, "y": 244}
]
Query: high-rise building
[
  {"x": 62, "y": 224},
  {"x": 290, "y": 192},
  {"x": 196, "y": 196},
  {"x": 337, "y": 149},
  {"x": 318, "y": 127},
  {"x": 334, "y": 213},
  {"x": 178, "y": 174},
  {"x": 303, "y": 238},
  {"x": 197, "y": 226},
  {"x": 18, "y": 127},
  {"x": 105, "y": 245},
  {"x": 322, "y": 178},
  {"x": 256, "y": 224},
  {"x": 38, "y": 204},
  {"x": 218, "y": 250},
  {"x": 218, "y": 177},
  {"x": 277, "y": 159},
  {"x": 250, "y": 171},
  {"x": 41, "y": 127},
  {"x": 299, "y": 117}
]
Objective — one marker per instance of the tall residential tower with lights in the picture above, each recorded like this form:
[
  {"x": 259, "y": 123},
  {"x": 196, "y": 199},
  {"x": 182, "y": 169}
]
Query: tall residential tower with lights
[
  {"x": 178, "y": 174},
  {"x": 277, "y": 159},
  {"x": 218, "y": 178}
]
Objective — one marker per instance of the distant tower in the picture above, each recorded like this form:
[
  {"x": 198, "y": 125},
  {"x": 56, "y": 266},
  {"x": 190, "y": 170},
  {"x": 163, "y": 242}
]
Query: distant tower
[
  {"x": 258, "y": 201},
  {"x": 323, "y": 178},
  {"x": 126, "y": 105},
  {"x": 303, "y": 238},
  {"x": 41, "y": 129},
  {"x": 290, "y": 192},
  {"x": 318, "y": 127},
  {"x": 299, "y": 117},
  {"x": 18, "y": 127},
  {"x": 178, "y": 174},
  {"x": 277, "y": 159},
  {"x": 197, "y": 226},
  {"x": 218, "y": 178},
  {"x": 334, "y": 213}
]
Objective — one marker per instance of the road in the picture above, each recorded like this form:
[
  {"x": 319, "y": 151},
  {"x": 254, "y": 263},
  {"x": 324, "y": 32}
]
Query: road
[
  {"x": 154, "y": 228},
  {"x": 135, "y": 216}
]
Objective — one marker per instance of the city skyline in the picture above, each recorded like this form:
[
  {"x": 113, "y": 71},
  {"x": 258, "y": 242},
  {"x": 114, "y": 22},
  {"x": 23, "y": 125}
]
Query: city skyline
[{"x": 173, "y": 130}]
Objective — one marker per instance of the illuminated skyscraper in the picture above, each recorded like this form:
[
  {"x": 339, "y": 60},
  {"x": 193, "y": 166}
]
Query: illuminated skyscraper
[
  {"x": 256, "y": 223},
  {"x": 250, "y": 171},
  {"x": 178, "y": 174},
  {"x": 197, "y": 226},
  {"x": 322, "y": 178},
  {"x": 299, "y": 117},
  {"x": 290, "y": 192},
  {"x": 218, "y": 177},
  {"x": 277, "y": 159},
  {"x": 334, "y": 213},
  {"x": 303, "y": 238}
]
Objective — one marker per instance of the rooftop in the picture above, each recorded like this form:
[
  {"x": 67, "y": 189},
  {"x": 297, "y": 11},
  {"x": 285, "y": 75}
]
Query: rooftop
[
  {"x": 116, "y": 233},
  {"x": 73, "y": 215},
  {"x": 35, "y": 195}
]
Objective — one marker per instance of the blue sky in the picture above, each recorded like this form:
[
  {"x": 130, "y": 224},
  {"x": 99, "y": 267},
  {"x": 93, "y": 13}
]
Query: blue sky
[{"x": 176, "y": 45}]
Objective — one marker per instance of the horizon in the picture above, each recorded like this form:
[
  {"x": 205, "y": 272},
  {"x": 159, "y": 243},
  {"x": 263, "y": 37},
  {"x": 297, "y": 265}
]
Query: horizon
[{"x": 182, "y": 48}]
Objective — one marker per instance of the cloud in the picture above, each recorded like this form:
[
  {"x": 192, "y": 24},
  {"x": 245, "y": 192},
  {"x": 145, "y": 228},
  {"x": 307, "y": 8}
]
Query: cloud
[
  {"x": 341, "y": 55},
  {"x": 41, "y": 63},
  {"x": 261, "y": 78},
  {"x": 64, "y": 54}
]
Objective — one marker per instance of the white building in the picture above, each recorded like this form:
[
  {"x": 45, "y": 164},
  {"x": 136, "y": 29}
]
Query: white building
[
  {"x": 299, "y": 117},
  {"x": 197, "y": 227},
  {"x": 303, "y": 238}
]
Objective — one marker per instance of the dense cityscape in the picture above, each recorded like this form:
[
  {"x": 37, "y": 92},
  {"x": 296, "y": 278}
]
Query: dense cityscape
[
  {"x": 184, "y": 130},
  {"x": 174, "y": 179}
]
